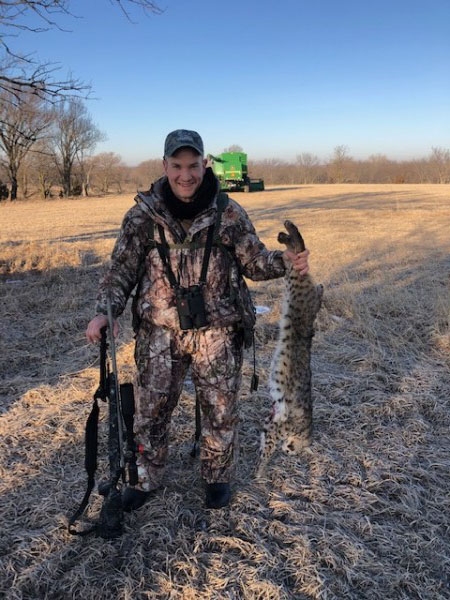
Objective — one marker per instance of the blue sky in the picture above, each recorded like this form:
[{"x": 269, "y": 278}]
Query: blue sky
[{"x": 277, "y": 78}]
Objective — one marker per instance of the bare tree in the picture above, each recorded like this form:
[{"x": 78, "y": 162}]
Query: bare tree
[
  {"x": 86, "y": 166},
  {"x": 439, "y": 162},
  {"x": 21, "y": 73},
  {"x": 274, "y": 171},
  {"x": 108, "y": 169},
  {"x": 41, "y": 168},
  {"x": 146, "y": 172},
  {"x": 74, "y": 137},
  {"x": 22, "y": 123},
  {"x": 340, "y": 165},
  {"x": 376, "y": 169},
  {"x": 234, "y": 148},
  {"x": 308, "y": 167}
]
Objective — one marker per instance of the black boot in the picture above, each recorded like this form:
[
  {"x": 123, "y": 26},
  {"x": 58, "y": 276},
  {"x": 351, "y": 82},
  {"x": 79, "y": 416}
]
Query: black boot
[
  {"x": 133, "y": 499},
  {"x": 218, "y": 495}
]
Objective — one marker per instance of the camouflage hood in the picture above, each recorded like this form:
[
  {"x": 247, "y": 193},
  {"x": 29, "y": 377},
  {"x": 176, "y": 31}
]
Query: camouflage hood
[{"x": 154, "y": 202}]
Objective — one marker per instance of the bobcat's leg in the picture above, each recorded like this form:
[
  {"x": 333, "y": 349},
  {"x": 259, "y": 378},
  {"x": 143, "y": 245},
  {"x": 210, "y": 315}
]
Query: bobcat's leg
[
  {"x": 270, "y": 435},
  {"x": 268, "y": 443},
  {"x": 299, "y": 433}
]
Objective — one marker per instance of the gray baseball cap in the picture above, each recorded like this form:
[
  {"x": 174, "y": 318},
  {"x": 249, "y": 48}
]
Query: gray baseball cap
[{"x": 181, "y": 138}]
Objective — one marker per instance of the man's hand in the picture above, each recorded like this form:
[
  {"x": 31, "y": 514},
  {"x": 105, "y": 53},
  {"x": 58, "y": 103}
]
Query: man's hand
[
  {"x": 299, "y": 261},
  {"x": 93, "y": 331}
]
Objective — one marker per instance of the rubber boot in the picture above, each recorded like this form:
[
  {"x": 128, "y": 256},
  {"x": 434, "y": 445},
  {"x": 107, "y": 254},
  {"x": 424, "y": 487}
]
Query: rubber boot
[
  {"x": 218, "y": 495},
  {"x": 133, "y": 499}
]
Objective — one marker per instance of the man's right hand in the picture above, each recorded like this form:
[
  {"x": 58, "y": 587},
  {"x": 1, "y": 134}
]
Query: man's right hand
[{"x": 93, "y": 331}]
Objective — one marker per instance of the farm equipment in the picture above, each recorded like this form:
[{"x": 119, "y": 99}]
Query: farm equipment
[{"x": 231, "y": 170}]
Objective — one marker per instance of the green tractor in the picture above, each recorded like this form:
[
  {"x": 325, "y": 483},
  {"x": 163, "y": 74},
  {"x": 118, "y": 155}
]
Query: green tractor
[{"x": 231, "y": 170}]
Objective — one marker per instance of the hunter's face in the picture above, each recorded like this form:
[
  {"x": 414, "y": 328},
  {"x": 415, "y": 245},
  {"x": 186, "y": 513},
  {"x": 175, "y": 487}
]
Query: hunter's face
[{"x": 185, "y": 171}]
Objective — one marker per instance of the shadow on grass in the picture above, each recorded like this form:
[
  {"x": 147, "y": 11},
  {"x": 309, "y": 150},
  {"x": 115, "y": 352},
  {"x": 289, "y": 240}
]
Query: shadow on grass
[{"x": 373, "y": 493}]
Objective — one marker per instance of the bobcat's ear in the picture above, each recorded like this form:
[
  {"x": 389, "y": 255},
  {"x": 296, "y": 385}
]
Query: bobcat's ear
[
  {"x": 283, "y": 238},
  {"x": 293, "y": 239}
]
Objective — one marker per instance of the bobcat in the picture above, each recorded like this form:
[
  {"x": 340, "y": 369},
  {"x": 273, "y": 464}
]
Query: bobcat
[{"x": 290, "y": 420}]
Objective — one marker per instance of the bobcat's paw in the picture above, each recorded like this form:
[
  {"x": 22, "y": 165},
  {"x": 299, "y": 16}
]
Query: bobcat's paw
[{"x": 296, "y": 445}]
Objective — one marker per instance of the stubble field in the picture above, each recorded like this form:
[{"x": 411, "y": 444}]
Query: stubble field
[{"x": 365, "y": 516}]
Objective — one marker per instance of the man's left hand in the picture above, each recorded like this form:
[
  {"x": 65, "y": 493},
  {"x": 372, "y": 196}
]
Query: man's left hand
[{"x": 299, "y": 261}]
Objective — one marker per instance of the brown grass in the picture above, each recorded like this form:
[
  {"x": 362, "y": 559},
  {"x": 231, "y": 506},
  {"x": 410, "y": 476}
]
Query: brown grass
[{"x": 366, "y": 516}]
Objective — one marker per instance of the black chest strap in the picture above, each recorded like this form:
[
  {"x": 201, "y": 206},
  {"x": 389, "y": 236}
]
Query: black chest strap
[{"x": 213, "y": 231}]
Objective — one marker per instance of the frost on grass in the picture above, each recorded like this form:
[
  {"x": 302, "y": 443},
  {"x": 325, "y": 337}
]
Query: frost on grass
[{"x": 366, "y": 515}]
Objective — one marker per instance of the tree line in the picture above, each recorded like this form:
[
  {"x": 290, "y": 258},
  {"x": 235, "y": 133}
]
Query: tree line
[
  {"x": 48, "y": 150},
  {"x": 341, "y": 167}
]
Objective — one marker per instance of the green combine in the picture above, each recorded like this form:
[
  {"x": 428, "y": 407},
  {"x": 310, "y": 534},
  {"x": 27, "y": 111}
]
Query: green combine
[{"x": 231, "y": 170}]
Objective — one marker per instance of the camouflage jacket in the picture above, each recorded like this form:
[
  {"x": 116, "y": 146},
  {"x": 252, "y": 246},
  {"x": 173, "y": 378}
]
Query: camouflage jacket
[{"x": 240, "y": 253}]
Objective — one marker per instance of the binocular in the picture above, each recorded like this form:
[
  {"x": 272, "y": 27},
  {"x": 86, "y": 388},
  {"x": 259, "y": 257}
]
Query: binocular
[{"x": 191, "y": 307}]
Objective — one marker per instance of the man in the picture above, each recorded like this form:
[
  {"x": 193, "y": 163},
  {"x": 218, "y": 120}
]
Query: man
[{"x": 187, "y": 318}]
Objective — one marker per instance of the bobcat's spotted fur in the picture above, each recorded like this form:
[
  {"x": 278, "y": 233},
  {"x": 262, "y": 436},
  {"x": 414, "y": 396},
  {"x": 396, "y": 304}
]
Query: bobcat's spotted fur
[{"x": 290, "y": 420}]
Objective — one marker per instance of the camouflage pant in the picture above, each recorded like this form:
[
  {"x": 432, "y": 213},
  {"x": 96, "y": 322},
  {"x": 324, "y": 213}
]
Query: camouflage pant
[{"x": 163, "y": 358}]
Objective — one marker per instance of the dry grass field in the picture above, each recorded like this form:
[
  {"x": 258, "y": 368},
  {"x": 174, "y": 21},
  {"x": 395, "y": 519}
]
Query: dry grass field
[{"x": 365, "y": 516}]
